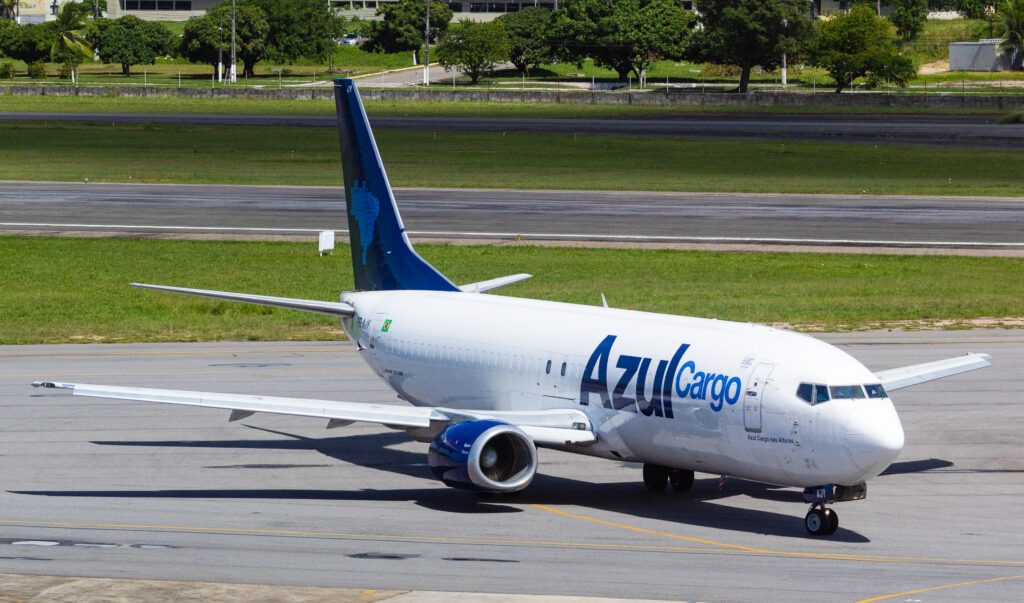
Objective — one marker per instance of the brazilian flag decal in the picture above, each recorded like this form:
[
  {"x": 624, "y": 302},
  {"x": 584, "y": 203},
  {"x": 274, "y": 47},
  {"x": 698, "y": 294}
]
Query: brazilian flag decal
[{"x": 387, "y": 325}]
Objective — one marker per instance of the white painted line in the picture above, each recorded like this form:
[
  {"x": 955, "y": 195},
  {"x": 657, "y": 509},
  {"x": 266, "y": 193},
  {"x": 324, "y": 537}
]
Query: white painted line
[{"x": 542, "y": 236}]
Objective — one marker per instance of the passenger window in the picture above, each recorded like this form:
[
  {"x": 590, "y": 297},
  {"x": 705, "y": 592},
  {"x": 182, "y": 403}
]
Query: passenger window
[
  {"x": 876, "y": 391},
  {"x": 547, "y": 369},
  {"x": 805, "y": 391},
  {"x": 821, "y": 394},
  {"x": 563, "y": 369},
  {"x": 846, "y": 392}
]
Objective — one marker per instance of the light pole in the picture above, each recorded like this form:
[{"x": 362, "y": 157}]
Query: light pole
[
  {"x": 220, "y": 50},
  {"x": 426, "y": 49},
  {"x": 233, "y": 72}
]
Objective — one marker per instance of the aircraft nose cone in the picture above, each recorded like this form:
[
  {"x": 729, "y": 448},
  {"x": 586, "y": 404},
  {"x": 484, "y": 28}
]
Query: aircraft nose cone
[{"x": 875, "y": 438}]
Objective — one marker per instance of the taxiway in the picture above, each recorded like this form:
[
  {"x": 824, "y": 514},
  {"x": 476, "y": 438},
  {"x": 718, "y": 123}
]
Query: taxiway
[{"x": 132, "y": 490}]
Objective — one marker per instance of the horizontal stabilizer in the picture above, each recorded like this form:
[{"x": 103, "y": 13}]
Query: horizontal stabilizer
[
  {"x": 494, "y": 283},
  {"x": 906, "y": 376},
  {"x": 288, "y": 303}
]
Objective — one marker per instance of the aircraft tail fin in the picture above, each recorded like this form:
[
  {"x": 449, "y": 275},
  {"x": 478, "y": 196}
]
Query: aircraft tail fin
[{"x": 382, "y": 256}]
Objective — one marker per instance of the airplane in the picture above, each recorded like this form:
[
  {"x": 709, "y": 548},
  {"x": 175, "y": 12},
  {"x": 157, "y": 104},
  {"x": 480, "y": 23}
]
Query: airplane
[{"x": 490, "y": 379}]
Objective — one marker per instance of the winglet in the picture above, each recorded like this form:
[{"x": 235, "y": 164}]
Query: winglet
[{"x": 382, "y": 256}]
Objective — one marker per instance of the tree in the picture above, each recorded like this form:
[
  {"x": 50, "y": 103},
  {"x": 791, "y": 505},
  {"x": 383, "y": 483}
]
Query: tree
[
  {"x": 749, "y": 33},
  {"x": 475, "y": 48},
  {"x": 527, "y": 31},
  {"x": 624, "y": 35},
  {"x": 130, "y": 41},
  {"x": 29, "y": 43},
  {"x": 908, "y": 16},
  {"x": 9, "y": 10},
  {"x": 251, "y": 31},
  {"x": 401, "y": 29},
  {"x": 859, "y": 44},
  {"x": 70, "y": 44},
  {"x": 204, "y": 40},
  {"x": 1009, "y": 24},
  {"x": 298, "y": 28},
  {"x": 201, "y": 41}
]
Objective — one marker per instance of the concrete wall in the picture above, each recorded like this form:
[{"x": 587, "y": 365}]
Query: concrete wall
[
  {"x": 983, "y": 55},
  {"x": 752, "y": 99}
]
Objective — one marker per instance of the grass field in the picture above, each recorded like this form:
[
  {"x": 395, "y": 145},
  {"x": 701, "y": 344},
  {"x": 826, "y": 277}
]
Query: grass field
[
  {"x": 309, "y": 156},
  {"x": 349, "y": 60},
  {"x": 75, "y": 290},
  {"x": 111, "y": 104}
]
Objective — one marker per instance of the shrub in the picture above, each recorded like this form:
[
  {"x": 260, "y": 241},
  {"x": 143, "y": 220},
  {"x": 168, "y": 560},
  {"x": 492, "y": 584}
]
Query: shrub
[
  {"x": 712, "y": 70},
  {"x": 64, "y": 71},
  {"x": 37, "y": 70},
  {"x": 7, "y": 70}
]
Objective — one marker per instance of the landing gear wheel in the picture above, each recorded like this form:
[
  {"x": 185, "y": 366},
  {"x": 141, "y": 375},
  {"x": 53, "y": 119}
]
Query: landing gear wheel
[
  {"x": 816, "y": 522},
  {"x": 833, "y": 521},
  {"x": 681, "y": 479},
  {"x": 655, "y": 477}
]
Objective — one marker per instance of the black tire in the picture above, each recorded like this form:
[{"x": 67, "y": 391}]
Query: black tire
[
  {"x": 655, "y": 477},
  {"x": 681, "y": 479},
  {"x": 816, "y": 522},
  {"x": 833, "y": 521}
]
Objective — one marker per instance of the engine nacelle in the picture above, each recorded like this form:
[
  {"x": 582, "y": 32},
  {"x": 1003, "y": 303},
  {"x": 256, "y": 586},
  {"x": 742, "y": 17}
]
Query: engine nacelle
[{"x": 483, "y": 455}]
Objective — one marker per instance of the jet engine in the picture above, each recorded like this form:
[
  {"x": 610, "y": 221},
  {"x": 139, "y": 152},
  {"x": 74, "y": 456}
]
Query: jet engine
[{"x": 483, "y": 455}]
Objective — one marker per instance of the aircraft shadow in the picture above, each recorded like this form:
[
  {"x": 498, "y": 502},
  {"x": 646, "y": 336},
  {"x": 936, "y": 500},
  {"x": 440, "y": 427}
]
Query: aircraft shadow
[{"x": 698, "y": 507}]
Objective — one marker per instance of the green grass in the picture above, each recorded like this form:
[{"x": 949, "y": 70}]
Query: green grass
[
  {"x": 932, "y": 44},
  {"x": 112, "y": 104},
  {"x": 309, "y": 156},
  {"x": 350, "y": 60},
  {"x": 75, "y": 290}
]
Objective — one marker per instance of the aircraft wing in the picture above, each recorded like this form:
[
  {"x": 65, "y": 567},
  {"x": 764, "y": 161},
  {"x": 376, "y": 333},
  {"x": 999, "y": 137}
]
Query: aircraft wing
[
  {"x": 906, "y": 376},
  {"x": 551, "y": 427},
  {"x": 288, "y": 303}
]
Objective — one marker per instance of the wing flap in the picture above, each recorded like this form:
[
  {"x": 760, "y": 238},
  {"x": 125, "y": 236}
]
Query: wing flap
[
  {"x": 400, "y": 416},
  {"x": 288, "y": 303},
  {"x": 905, "y": 376}
]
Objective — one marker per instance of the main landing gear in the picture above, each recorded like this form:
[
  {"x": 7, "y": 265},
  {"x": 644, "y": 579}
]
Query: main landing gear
[
  {"x": 821, "y": 520},
  {"x": 656, "y": 477}
]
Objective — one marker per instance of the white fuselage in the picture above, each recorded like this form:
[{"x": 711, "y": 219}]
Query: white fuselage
[{"x": 689, "y": 393}]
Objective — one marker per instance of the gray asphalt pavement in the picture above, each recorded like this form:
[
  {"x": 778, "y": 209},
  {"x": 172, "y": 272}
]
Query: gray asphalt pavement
[
  {"x": 944, "y": 130},
  {"x": 264, "y": 211},
  {"x": 132, "y": 490}
]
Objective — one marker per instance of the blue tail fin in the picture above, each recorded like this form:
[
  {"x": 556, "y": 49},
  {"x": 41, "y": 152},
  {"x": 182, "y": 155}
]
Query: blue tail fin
[{"x": 382, "y": 257}]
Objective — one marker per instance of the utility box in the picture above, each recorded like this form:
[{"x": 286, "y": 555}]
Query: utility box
[
  {"x": 983, "y": 55},
  {"x": 326, "y": 241}
]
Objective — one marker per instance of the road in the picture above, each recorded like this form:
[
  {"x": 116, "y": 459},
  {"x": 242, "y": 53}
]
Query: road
[
  {"x": 570, "y": 216},
  {"x": 940, "y": 130},
  {"x": 135, "y": 490}
]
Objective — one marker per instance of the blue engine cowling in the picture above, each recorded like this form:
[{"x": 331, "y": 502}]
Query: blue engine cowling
[{"x": 483, "y": 455}]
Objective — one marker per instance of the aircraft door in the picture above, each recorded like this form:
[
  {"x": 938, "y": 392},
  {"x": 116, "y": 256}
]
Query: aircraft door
[{"x": 753, "y": 395}]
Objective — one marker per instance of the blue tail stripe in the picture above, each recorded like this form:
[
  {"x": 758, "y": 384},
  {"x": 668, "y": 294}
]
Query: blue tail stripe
[{"x": 382, "y": 257}]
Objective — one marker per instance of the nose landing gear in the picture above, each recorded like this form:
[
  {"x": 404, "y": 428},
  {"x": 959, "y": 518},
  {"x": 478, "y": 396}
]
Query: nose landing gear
[{"x": 821, "y": 520}]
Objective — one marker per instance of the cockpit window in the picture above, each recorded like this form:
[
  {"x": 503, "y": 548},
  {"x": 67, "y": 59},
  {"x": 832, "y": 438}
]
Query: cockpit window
[
  {"x": 876, "y": 391},
  {"x": 812, "y": 394},
  {"x": 845, "y": 392}
]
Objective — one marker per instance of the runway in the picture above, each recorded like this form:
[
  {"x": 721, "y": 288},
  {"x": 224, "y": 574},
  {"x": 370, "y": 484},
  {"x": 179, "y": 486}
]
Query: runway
[
  {"x": 531, "y": 215},
  {"x": 133, "y": 490},
  {"x": 931, "y": 130}
]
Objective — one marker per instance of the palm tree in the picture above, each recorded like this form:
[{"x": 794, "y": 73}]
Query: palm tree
[
  {"x": 9, "y": 9},
  {"x": 70, "y": 44},
  {"x": 1010, "y": 25}
]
